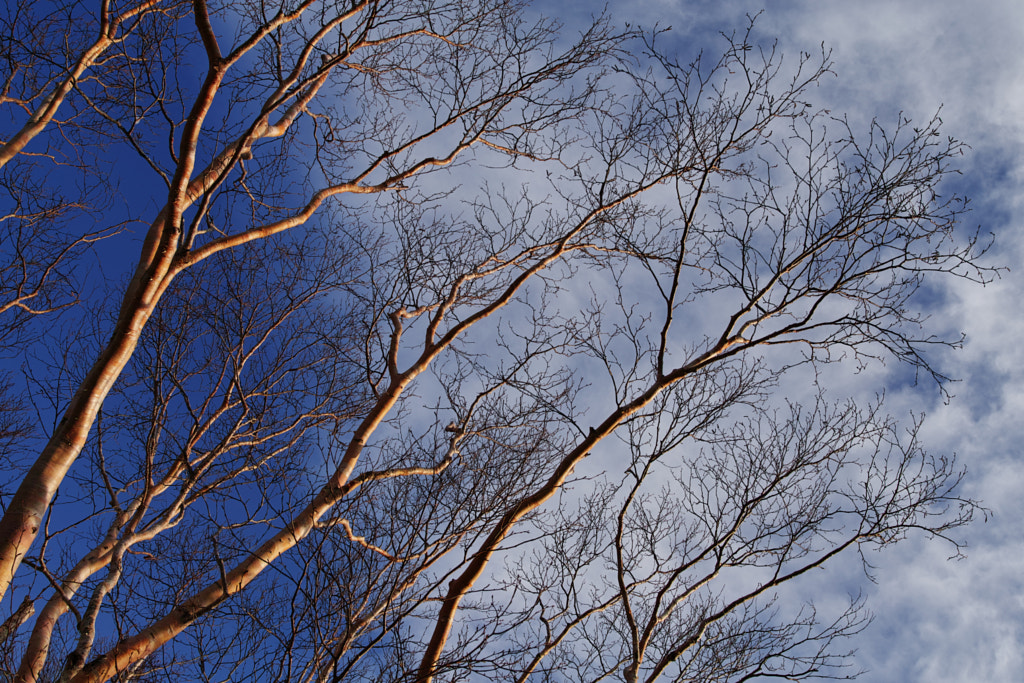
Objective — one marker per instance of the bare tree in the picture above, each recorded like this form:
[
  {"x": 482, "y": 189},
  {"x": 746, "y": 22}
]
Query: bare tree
[{"x": 350, "y": 419}]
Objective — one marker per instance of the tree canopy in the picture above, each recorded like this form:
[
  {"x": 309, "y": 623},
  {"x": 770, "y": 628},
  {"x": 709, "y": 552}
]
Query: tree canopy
[{"x": 404, "y": 340}]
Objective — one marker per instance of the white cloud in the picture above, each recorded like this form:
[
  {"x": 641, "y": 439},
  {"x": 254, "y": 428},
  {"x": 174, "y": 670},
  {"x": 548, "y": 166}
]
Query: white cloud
[
  {"x": 964, "y": 620},
  {"x": 936, "y": 621}
]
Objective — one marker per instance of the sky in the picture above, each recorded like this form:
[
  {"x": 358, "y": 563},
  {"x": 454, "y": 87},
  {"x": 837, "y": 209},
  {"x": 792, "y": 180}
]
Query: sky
[{"x": 936, "y": 619}]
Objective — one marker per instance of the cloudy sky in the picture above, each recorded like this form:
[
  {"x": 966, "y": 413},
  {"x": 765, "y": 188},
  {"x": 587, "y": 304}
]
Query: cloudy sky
[{"x": 936, "y": 620}]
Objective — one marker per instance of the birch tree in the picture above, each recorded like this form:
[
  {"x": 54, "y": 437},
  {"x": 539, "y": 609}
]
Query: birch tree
[{"x": 455, "y": 346}]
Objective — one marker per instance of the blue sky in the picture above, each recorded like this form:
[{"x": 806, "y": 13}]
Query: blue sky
[{"x": 935, "y": 620}]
